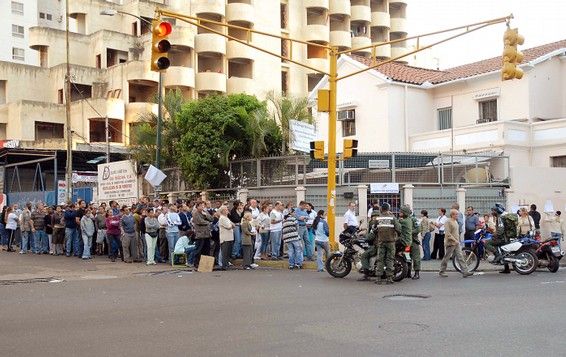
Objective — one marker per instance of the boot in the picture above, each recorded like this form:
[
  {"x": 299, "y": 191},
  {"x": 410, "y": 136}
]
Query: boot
[
  {"x": 389, "y": 281},
  {"x": 379, "y": 281},
  {"x": 506, "y": 270},
  {"x": 409, "y": 273},
  {"x": 416, "y": 276}
]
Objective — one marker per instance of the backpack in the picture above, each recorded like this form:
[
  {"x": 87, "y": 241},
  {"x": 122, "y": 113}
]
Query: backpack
[{"x": 510, "y": 225}]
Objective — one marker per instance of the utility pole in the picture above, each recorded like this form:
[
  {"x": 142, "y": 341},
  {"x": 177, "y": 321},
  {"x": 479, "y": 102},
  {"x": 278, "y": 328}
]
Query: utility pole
[
  {"x": 69, "y": 167},
  {"x": 331, "y": 190},
  {"x": 107, "y": 130}
]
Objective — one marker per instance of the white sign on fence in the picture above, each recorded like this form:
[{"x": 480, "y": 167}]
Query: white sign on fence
[
  {"x": 301, "y": 135},
  {"x": 378, "y": 164},
  {"x": 61, "y": 192},
  {"x": 385, "y": 187},
  {"x": 118, "y": 181}
]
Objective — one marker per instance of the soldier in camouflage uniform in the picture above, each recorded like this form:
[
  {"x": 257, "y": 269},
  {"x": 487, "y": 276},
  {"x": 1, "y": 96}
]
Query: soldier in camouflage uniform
[
  {"x": 387, "y": 229},
  {"x": 372, "y": 250},
  {"x": 415, "y": 244}
]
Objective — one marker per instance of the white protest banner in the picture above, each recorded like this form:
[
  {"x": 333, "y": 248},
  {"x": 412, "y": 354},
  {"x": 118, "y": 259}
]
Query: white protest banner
[
  {"x": 301, "y": 135},
  {"x": 385, "y": 187},
  {"x": 154, "y": 176},
  {"x": 118, "y": 181}
]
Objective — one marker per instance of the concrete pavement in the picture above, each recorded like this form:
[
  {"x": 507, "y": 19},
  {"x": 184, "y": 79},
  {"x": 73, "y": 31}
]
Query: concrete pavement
[{"x": 284, "y": 313}]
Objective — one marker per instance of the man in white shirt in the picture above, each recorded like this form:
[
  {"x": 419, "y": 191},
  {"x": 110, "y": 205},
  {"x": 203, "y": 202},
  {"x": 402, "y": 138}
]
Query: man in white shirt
[
  {"x": 275, "y": 230},
  {"x": 351, "y": 223},
  {"x": 438, "y": 245}
]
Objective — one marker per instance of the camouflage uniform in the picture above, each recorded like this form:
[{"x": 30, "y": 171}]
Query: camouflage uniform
[
  {"x": 416, "y": 247},
  {"x": 387, "y": 228}
]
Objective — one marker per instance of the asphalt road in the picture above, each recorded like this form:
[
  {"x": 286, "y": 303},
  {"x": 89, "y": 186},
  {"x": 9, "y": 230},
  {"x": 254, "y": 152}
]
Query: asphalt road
[{"x": 284, "y": 313}]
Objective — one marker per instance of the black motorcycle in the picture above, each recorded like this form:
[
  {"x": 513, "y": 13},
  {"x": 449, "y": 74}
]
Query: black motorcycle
[{"x": 339, "y": 264}]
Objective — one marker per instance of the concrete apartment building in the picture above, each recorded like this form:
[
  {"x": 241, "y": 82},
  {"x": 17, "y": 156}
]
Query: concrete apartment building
[
  {"x": 465, "y": 110},
  {"x": 109, "y": 58}
]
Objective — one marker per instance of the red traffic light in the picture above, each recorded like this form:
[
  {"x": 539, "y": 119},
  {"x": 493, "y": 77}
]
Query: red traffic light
[{"x": 162, "y": 29}]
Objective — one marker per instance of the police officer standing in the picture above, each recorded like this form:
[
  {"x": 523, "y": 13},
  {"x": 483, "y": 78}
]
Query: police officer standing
[
  {"x": 387, "y": 228},
  {"x": 415, "y": 248}
]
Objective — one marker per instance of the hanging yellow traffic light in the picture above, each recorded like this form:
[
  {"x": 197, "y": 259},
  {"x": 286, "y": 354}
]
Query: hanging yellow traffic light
[
  {"x": 512, "y": 57},
  {"x": 350, "y": 148},
  {"x": 160, "y": 46},
  {"x": 317, "y": 150}
]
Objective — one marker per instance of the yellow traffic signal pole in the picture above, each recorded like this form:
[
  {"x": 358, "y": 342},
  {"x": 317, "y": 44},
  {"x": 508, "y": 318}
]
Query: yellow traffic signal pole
[{"x": 332, "y": 81}]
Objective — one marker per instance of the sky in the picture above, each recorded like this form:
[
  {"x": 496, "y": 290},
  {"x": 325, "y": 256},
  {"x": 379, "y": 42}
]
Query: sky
[{"x": 539, "y": 21}]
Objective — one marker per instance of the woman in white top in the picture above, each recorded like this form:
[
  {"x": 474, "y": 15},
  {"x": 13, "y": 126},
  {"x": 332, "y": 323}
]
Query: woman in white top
[
  {"x": 11, "y": 226},
  {"x": 557, "y": 227},
  {"x": 525, "y": 223},
  {"x": 226, "y": 236},
  {"x": 438, "y": 245},
  {"x": 264, "y": 222}
]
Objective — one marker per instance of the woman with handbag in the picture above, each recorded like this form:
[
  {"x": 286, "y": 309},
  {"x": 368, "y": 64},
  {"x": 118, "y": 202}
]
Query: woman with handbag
[{"x": 151, "y": 229}]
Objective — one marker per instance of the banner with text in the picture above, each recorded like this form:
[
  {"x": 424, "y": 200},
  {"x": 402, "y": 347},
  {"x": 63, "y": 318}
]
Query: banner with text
[{"x": 118, "y": 181}]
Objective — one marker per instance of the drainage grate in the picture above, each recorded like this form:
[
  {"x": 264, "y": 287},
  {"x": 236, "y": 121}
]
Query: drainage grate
[
  {"x": 31, "y": 281},
  {"x": 406, "y": 297}
]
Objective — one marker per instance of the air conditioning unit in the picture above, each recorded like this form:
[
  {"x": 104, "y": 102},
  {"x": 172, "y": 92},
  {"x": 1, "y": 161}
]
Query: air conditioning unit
[{"x": 347, "y": 115}]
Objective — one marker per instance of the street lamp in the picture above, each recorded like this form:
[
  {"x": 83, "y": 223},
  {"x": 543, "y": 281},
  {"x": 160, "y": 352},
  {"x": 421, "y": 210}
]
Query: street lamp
[{"x": 113, "y": 12}]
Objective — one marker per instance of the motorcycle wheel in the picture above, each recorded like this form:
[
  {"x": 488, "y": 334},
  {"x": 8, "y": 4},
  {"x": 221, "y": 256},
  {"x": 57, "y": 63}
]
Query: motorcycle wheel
[
  {"x": 530, "y": 266},
  {"x": 553, "y": 264},
  {"x": 470, "y": 257},
  {"x": 400, "y": 269},
  {"x": 338, "y": 266}
]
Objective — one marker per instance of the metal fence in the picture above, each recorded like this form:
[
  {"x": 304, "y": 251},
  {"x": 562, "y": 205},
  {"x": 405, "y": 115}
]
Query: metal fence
[{"x": 487, "y": 169}]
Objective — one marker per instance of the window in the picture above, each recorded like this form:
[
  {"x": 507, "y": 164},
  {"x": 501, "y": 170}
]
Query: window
[
  {"x": 348, "y": 119},
  {"x": 18, "y": 54},
  {"x": 17, "y": 31},
  {"x": 488, "y": 111},
  {"x": 558, "y": 161},
  {"x": 284, "y": 13},
  {"x": 42, "y": 15},
  {"x": 49, "y": 17},
  {"x": 444, "y": 118},
  {"x": 17, "y": 8},
  {"x": 45, "y": 130}
]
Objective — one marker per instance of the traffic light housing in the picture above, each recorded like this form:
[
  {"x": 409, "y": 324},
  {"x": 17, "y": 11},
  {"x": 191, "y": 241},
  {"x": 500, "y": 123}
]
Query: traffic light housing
[
  {"x": 317, "y": 150},
  {"x": 511, "y": 56},
  {"x": 160, "y": 46},
  {"x": 350, "y": 148}
]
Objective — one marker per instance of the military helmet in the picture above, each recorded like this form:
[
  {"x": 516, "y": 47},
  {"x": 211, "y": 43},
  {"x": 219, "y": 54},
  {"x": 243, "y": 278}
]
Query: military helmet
[
  {"x": 406, "y": 210},
  {"x": 385, "y": 206},
  {"x": 498, "y": 208}
]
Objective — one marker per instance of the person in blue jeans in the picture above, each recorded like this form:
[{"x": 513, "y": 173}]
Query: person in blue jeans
[
  {"x": 426, "y": 227},
  {"x": 321, "y": 233},
  {"x": 71, "y": 233},
  {"x": 291, "y": 238},
  {"x": 235, "y": 216},
  {"x": 302, "y": 216}
]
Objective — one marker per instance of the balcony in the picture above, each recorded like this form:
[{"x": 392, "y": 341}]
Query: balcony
[
  {"x": 399, "y": 24},
  {"x": 210, "y": 43},
  {"x": 399, "y": 2},
  {"x": 134, "y": 111},
  {"x": 380, "y": 19},
  {"x": 318, "y": 63},
  {"x": 240, "y": 12},
  {"x": 341, "y": 38},
  {"x": 235, "y": 50},
  {"x": 362, "y": 42},
  {"x": 240, "y": 85},
  {"x": 216, "y": 7},
  {"x": 383, "y": 51},
  {"x": 211, "y": 82},
  {"x": 340, "y": 7},
  {"x": 139, "y": 71},
  {"x": 182, "y": 36},
  {"x": 179, "y": 77},
  {"x": 41, "y": 36},
  {"x": 399, "y": 51},
  {"x": 317, "y": 33},
  {"x": 360, "y": 13},
  {"x": 320, "y": 4}
]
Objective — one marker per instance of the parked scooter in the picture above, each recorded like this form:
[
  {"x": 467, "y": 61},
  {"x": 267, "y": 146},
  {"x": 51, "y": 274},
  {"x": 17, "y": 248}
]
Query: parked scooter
[{"x": 549, "y": 254}]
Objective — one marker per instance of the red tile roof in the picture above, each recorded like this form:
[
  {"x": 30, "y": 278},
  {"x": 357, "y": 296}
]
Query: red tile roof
[{"x": 414, "y": 75}]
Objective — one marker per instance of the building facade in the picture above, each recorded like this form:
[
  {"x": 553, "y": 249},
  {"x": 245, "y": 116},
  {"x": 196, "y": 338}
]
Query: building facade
[
  {"x": 465, "y": 110},
  {"x": 109, "y": 57}
]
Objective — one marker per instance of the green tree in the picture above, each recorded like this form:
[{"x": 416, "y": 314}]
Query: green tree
[
  {"x": 143, "y": 134},
  {"x": 286, "y": 109},
  {"x": 218, "y": 129}
]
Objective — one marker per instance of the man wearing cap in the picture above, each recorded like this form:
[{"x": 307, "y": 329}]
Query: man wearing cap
[{"x": 372, "y": 250}]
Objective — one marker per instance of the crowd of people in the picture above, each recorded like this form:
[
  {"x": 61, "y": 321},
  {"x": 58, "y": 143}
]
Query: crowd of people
[{"x": 159, "y": 231}]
